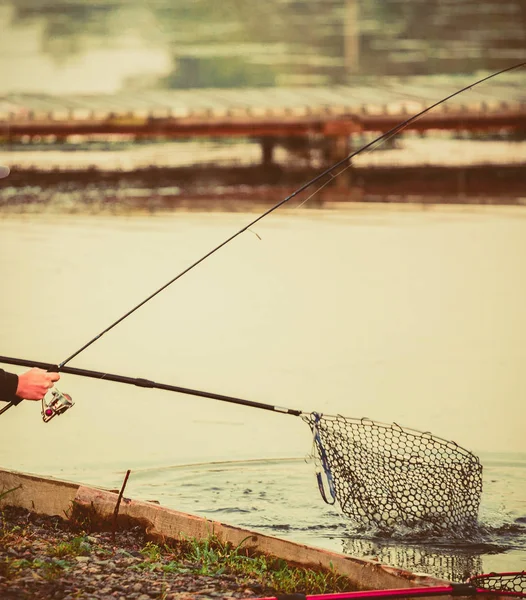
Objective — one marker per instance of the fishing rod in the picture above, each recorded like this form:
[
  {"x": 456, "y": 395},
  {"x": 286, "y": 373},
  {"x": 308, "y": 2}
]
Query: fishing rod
[
  {"x": 388, "y": 134},
  {"x": 391, "y": 132},
  {"x": 505, "y": 584},
  {"x": 327, "y": 172},
  {"x": 61, "y": 406}
]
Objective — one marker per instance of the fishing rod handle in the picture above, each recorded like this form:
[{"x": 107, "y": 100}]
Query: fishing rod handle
[{"x": 147, "y": 383}]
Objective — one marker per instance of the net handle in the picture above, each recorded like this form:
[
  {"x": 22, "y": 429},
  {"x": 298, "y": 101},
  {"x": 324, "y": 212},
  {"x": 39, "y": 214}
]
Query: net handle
[
  {"x": 471, "y": 588},
  {"x": 146, "y": 383}
]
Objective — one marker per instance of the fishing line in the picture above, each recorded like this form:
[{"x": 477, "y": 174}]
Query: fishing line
[
  {"x": 327, "y": 172},
  {"x": 345, "y": 168},
  {"x": 333, "y": 177}
]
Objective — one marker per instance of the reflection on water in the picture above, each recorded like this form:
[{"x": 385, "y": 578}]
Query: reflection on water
[{"x": 444, "y": 564}]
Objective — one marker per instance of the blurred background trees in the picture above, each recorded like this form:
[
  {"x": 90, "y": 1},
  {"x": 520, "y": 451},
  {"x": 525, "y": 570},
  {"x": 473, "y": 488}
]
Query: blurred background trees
[{"x": 287, "y": 42}]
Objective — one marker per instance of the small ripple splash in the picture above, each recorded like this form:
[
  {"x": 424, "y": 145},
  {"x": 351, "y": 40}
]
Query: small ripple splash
[{"x": 280, "y": 498}]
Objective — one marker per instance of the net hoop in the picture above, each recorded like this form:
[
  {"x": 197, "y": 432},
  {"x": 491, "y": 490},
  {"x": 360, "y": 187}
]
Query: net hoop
[
  {"x": 384, "y": 475},
  {"x": 505, "y": 584}
]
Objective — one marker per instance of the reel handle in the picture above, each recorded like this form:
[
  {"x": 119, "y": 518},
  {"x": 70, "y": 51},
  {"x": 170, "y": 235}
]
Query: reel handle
[
  {"x": 58, "y": 405},
  {"x": 59, "y": 402}
]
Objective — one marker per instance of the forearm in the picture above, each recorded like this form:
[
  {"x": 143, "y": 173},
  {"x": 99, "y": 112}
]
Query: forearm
[{"x": 8, "y": 386}]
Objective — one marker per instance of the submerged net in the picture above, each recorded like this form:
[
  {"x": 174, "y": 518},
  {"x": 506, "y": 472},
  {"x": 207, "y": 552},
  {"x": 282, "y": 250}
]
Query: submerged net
[
  {"x": 385, "y": 476},
  {"x": 416, "y": 557},
  {"x": 513, "y": 584}
]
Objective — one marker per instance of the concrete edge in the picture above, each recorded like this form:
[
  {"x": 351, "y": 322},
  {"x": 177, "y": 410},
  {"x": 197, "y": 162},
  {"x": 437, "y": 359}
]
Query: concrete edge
[{"x": 50, "y": 496}]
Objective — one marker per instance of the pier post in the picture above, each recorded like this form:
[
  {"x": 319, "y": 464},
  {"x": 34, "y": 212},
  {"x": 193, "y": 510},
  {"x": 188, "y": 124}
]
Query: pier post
[
  {"x": 338, "y": 147},
  {"x": 267, "y": 151}
]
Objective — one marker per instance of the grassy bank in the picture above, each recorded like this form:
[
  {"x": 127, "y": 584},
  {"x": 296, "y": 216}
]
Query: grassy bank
[{"x": 47, "y": 557}]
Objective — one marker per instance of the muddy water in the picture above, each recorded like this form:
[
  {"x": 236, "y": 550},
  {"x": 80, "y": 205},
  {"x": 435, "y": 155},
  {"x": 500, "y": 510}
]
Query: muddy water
[{"x": 394, "y": 313}]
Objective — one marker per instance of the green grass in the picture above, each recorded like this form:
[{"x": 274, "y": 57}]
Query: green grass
[
  {"x": 10, "y": 535},
  {"x": 78, "y": 546},
  {"x": 4, "y": 493},
  {"x": 213, "y": 557},
  {"x": 48, "y": 569},
  {"x": 209, "y": 556}
]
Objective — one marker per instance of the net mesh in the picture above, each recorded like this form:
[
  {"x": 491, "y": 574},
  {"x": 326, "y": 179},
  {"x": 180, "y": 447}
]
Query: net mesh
[
  {"x": 513, "y": 584},
  {"x": 385, "y": 476}
]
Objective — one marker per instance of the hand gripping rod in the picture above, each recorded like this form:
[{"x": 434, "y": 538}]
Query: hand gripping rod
[{"x": 146, "y": 383}]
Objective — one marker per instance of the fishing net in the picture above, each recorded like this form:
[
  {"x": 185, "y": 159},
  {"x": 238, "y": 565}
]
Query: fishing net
[
  {"x": 513, "y": 584},
  {"x": 384, "y": 476}
]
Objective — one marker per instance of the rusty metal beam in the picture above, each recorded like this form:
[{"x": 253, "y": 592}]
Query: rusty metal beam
[
  {"x": 330, "y": 125},
  {"x": 454, "y": 121}
]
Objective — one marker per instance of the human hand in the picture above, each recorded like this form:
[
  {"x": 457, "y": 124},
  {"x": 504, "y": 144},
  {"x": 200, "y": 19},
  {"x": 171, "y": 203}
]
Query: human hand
[{"x": 34, "y": 384}]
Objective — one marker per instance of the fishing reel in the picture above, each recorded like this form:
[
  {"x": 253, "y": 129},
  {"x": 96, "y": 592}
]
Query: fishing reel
[{"x": 58, "y": 405}]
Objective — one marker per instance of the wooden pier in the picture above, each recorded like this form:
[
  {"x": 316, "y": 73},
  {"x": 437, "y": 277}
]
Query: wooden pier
[{"x": 270, "y": 114}]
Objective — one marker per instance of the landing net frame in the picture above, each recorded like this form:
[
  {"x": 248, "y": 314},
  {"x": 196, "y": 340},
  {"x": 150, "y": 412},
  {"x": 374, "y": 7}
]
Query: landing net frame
[
  {"x": 506, "y": 584},
  {"x": 384, "y": 476}
]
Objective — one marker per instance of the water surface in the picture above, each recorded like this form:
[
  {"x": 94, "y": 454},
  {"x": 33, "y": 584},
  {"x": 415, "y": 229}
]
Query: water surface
[{"x": 391, "y": 312}]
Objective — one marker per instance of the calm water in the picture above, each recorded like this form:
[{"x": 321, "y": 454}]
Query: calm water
[{"x": 394, "y": 313}]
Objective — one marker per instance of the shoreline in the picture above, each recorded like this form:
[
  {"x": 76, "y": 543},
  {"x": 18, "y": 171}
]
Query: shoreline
[{"x": 167, "y": 547}]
